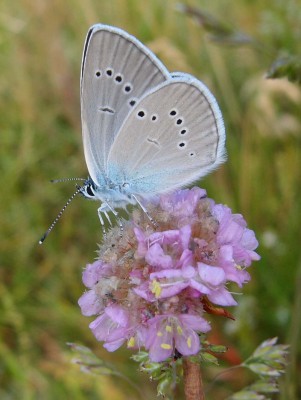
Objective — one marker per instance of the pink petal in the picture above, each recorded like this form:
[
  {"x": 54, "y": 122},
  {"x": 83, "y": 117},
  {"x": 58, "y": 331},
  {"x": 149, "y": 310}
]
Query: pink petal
[
  {"x": 186, "y": 259},
  {"x": 222, "y": 297},
  {"x": 187, "y": 343},
  {"x": 92, "y": 273},
  {"x": 155, "y": 257},
  {"x": 211, "y": 275},
  {"x": 199, "y": 287},
  {"x": 118, "y": 314},
  {"x": 195, "y": 322},
  {"x": 188, "y": 272},
  {"x": 90, "y": 304},
  {"x": 166, "y": 273},
  {"x": 112, "y": 346},
  {"x": 142, "y": 244},
  {"x": 185, "y": 235},
  {"x": 172, "y": 290}
]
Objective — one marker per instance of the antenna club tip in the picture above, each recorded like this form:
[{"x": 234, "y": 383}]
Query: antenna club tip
[{"x": 42, "y": 238}]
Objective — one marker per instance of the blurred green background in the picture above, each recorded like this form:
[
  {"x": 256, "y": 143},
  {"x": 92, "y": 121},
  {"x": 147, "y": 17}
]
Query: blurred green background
[{"x": 40, "y": 139}]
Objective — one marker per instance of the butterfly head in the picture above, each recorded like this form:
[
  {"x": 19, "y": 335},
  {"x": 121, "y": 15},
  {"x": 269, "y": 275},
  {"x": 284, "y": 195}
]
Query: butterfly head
[{"x": 89, "y": 189}]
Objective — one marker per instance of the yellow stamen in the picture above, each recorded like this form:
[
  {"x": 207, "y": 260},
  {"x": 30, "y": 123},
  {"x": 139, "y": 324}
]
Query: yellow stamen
[
  {"x": 168, "y": 328},
  {"x": 156, "y": 288},
  {"x": 189, "y": 341},
  {"x": 165, "y": 346},
  {"x": 180, "y": 330},
  {"x": 159, "y": 333},
  {"x": 131, "y": 342}
]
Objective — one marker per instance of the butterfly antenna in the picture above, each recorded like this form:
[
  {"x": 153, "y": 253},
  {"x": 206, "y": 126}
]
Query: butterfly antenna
[
  {"x": 59, "y": 215},
  {"x": 67, "y": 179}
]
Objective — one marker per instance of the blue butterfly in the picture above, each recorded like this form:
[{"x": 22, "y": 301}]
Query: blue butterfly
[{"x": 146, "y": 131}]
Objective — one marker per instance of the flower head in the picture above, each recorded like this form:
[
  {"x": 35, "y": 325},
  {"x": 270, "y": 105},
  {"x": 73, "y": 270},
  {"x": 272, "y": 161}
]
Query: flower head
[{"x": 152, "y": 286}]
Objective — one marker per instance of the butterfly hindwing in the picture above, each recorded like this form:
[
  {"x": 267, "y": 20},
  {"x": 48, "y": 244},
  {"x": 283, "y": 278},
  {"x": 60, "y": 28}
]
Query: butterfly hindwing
[{"x": 173, "y": 136}]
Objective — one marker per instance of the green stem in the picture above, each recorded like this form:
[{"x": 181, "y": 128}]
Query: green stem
[{"x": 295, "y": 330}]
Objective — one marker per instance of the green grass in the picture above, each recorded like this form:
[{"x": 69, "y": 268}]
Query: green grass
[{"x": 40, "y": 139}]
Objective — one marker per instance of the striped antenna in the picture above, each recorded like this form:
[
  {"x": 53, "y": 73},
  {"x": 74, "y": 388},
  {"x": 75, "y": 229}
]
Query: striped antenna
[
  {"x": 67, "y": 179},
  {"x": 59, "y": 215}
]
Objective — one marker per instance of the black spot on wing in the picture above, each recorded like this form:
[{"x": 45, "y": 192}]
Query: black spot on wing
[{"x": 107, "y": 110}]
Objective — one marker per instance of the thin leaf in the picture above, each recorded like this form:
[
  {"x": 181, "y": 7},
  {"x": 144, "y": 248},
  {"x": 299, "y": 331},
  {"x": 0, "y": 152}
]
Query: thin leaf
[
  {"x": 219, "y": 30},
  {"x": 286, "y": 67},
  {"x": 264, "y": 387},
  {"x": 247, "y": 395}
]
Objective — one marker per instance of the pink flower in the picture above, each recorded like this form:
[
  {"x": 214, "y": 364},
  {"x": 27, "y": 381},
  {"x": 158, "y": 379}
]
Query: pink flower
[
  {"x": 168, "y": 332},
  {"x": 149, "y": 286},
  {"x": 111, "y": 327}
]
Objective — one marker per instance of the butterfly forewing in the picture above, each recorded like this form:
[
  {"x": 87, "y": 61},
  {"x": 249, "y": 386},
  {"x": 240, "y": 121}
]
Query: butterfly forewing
[
  {"x": 173, "y": 136},
  {"x": 117, "y": 70}
]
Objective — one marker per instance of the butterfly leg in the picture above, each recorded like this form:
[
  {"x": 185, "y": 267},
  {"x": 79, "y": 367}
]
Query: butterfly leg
[
  {"x": 116, "y": 216},
  {"x": 100, "y": 211},
  {"x": 104, "y": 208},
  {"x": 108, "y": 218},
  {"x": 144, "y": 210}
]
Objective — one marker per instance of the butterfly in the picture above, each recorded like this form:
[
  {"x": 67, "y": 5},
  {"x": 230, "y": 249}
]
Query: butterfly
[{"x": 145, "y": 131}]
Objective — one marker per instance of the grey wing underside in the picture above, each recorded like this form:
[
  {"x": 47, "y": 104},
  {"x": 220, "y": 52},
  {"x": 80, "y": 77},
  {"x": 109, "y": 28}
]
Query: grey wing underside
[
  {"x": 117, "y": 70},
  {"x": 173, "y": 136}
]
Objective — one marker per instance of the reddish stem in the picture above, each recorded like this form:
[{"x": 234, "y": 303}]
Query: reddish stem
[{"x": 193, "y": 385}]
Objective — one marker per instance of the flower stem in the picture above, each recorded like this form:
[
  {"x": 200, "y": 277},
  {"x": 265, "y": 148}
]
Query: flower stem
[{"x": 193, "y": 385}]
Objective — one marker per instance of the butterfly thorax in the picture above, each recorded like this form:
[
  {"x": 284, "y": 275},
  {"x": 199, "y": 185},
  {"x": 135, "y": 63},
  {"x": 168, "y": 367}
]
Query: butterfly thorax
[{"x": 114, "y": 194}]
